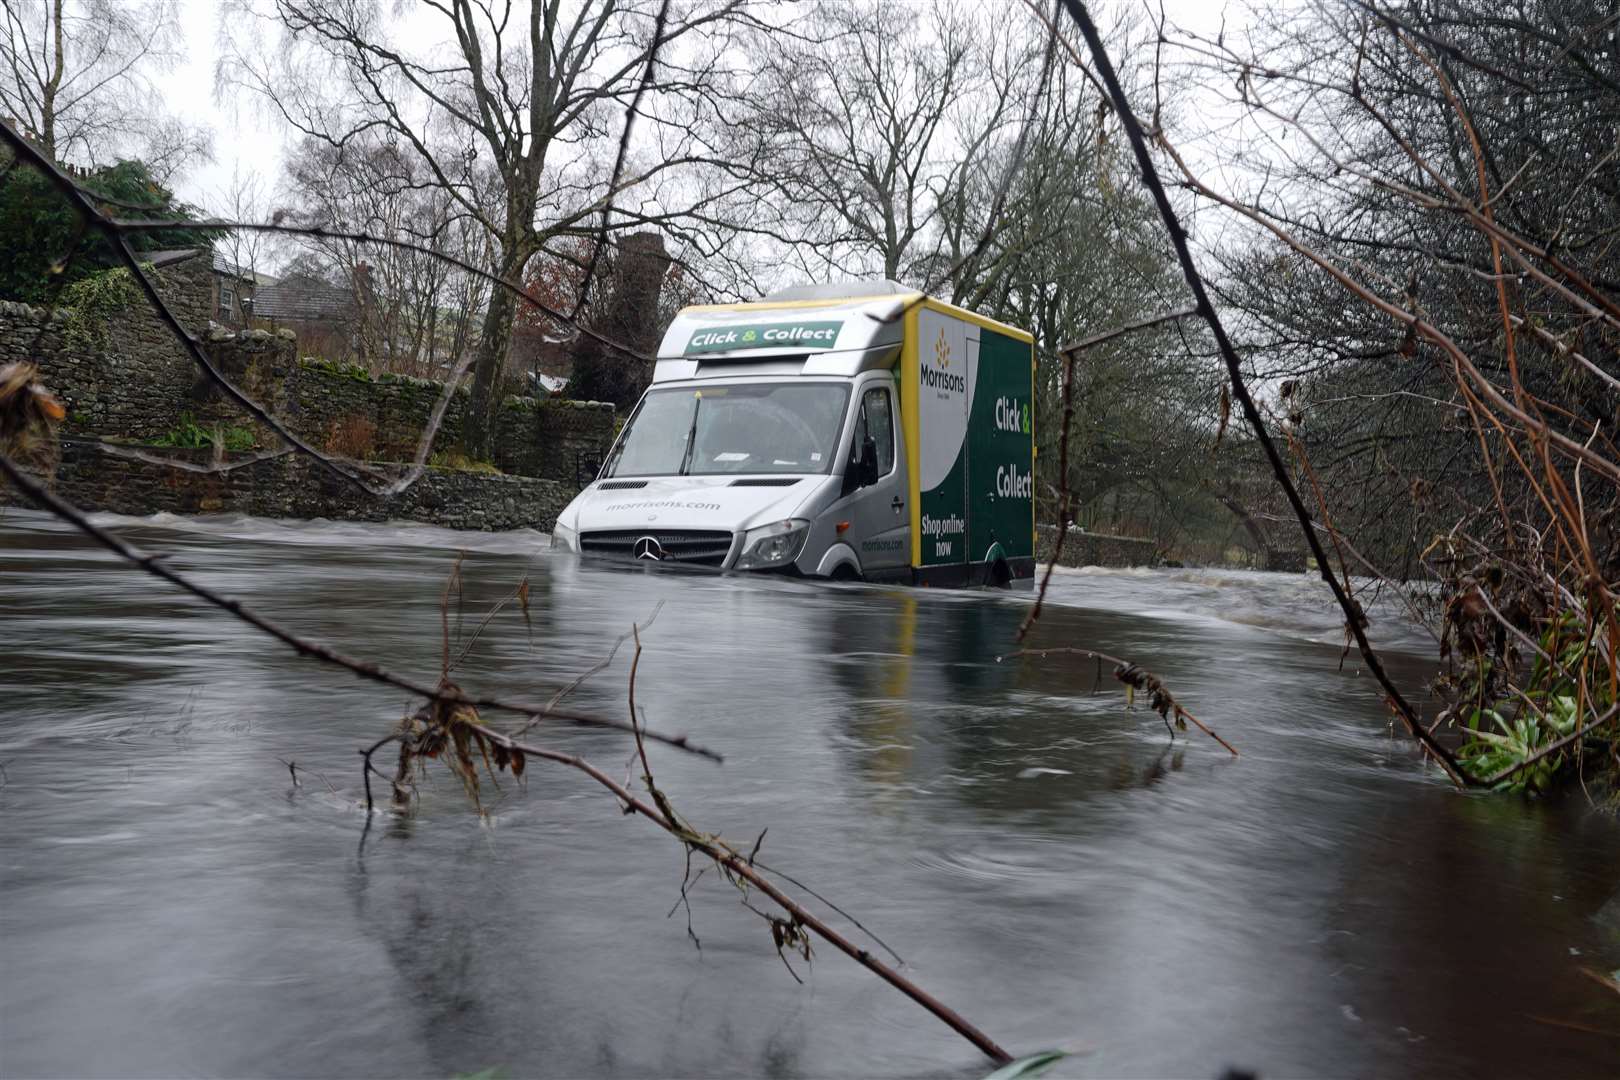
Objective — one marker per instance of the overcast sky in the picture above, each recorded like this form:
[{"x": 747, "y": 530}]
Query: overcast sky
[
  {"x": 242, "y": 139},
  {"x": 246, "y": 138}
]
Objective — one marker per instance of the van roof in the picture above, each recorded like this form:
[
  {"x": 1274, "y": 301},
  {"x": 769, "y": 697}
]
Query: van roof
[
  {"x": 826, "y": 327},
  {"x": 840, "y": 290}
]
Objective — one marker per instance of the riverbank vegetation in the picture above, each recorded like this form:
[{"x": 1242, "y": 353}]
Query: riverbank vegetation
[{"x": 1424, "y": 267}]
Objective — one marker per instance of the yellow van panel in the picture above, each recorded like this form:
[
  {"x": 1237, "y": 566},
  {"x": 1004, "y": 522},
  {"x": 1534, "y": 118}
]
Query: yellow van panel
[{"x": 910, "y": 375}]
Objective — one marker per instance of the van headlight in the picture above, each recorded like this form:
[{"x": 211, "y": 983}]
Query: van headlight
[
  {"x": 563, "y": 538},
  {"x": 773, "y": 545}
]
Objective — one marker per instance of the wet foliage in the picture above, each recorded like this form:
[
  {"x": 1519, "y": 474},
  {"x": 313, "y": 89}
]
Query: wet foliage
[
  {"x": 1159, "y": 698},
  {"x": 1524, "y": 665},
  {"x": 449, "y": 732}
]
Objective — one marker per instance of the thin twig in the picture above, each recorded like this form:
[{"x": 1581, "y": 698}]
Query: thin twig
[
  {"x": 1121, "y": 668},
  {"x": 1206, "y": 309},
  {"x": 1065, "y": 497},
  {"x": 737, "y": 865},
  {"x": 594, "y": 669},
  {"x": 1129, "y": 328}
]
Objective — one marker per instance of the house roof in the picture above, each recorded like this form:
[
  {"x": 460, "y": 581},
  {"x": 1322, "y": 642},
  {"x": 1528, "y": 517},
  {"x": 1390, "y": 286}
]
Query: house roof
[
  {"x": 224, "y": 266},
  {"x": 169, "y": 256},
  {"x": 304, "y": 298}
]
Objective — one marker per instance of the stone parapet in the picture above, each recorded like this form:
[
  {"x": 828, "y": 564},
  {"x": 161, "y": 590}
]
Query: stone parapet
[{"x": 98, "y": 476}]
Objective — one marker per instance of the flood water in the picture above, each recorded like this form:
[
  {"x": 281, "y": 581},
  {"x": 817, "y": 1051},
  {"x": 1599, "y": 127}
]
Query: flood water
[{"x": 1045, "y": 860}]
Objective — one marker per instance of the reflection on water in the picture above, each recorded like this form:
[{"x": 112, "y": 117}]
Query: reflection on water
[{"x": 1044, "y": 859}]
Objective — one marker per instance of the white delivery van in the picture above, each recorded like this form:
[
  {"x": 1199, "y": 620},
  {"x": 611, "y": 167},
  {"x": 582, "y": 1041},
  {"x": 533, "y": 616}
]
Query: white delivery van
[{"x": 856, "y": 431}]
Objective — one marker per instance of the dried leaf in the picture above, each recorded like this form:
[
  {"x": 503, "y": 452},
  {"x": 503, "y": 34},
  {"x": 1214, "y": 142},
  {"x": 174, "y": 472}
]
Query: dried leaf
[
  {"x": 1408, "y": 345},
  {"x": 48, "y": 404},
  {"x": 523, "y": 605},
  {"x": 25, "y": 405}
]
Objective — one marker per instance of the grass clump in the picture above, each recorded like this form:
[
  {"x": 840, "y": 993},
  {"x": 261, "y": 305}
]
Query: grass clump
[
  {"x": 190, "y": 435},
  {"x": 456, "y": 459}
]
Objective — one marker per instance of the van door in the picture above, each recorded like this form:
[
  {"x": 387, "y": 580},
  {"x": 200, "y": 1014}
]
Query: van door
[
  {"x": 880, "y": 527},
  {"x": 1001, "y": 479},
  {"x": 945, "y": 354}
]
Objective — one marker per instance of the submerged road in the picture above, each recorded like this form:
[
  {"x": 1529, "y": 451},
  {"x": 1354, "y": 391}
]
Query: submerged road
[{"x": 1046, "y": 861}]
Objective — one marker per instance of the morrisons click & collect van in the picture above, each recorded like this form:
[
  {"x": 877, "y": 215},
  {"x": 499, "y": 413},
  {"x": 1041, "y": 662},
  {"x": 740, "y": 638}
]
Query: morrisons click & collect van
[{"x": 856, "y": 431}]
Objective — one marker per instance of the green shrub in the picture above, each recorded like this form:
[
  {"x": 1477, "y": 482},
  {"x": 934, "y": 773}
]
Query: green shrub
[
  {"x": 1519, "y": 730},
  {"x": 91, "y": 302},
  {"x": 46, "y": 244},
  {"x": 190, "y": 435}
]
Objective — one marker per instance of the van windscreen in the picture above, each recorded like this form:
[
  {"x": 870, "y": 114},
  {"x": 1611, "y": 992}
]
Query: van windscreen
[{"x": 788, "y": 427}]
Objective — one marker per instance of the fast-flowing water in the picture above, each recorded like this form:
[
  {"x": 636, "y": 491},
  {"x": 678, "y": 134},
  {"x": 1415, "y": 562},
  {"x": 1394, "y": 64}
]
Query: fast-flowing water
[{"x": 1045, "y": 860}]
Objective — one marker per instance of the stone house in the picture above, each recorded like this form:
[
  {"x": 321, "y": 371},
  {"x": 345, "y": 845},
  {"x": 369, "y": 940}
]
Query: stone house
[
  {"x": 324, "y": 316},
  {"x": 236, "y": 291},
  {"x": 232, "y": 288}
]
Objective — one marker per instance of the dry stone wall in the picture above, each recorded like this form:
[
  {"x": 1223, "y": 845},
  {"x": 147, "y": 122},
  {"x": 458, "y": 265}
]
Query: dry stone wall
[
  {"x": 554, "y": 438},
  {"x": 93, "y": 476},
  {"x": 543, "y": 437},
  {"x": 126, "y": 379},
  {"x": 116, "y": 376}
]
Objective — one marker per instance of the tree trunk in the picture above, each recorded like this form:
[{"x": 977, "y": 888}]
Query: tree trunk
[
  {"x": 478, "y": 432},
  {"x": 47, "y": 108}
]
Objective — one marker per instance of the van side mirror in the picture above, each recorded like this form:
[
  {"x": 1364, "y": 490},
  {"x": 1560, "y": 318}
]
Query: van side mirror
[
  {"x": 862, "y": 470},
  {"x": 866, "y": 468}
]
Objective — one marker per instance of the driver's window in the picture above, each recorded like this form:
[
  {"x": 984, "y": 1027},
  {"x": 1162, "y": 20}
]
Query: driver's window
[{"x": 876, "y": 419}]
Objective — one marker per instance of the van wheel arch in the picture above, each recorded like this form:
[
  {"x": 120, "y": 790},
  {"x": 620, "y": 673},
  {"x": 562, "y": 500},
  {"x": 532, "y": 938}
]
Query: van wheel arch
[
  {"x": 997, "y": 571},
  {"x": 840, "y": 563}
]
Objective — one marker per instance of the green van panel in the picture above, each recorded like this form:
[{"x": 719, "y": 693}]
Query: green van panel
[{"x": 1001, "y": 457}]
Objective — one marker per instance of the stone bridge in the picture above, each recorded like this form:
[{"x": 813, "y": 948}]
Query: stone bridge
[{"x": 1263, "y": 515}]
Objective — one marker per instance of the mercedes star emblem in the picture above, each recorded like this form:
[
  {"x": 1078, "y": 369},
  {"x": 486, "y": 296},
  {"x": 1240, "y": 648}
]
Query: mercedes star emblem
[{"x": 648, "y": 547}]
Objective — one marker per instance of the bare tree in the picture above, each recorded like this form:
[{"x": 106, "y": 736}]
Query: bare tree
[
  {"x": 513, "y": 113},
  {"x": 967, "y": 152},
  {"x": 76, "y": 76},
  {"x": 416, "y": 312},
  {"x": 873, "y": 123},
  {"x": 245, "y": 198},
  {"x": 1422, "y": 258}
]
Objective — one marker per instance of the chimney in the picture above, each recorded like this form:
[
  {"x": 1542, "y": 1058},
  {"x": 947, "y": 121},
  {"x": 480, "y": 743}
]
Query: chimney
[{"x": 640, "y": 270}]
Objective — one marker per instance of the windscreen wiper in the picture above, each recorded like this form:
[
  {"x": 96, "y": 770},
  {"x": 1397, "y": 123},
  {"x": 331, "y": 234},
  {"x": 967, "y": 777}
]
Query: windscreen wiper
[{"x": 691, "y": 433}]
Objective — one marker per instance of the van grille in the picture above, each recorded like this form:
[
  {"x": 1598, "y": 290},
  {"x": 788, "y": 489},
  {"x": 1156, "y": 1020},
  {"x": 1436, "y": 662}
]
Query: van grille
[
  {"x": 621, "y": 485},
  {"x": 698, "y": 547},
  {"x": 765, "y": 482}
]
